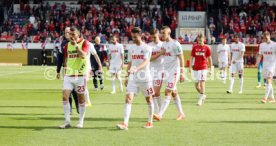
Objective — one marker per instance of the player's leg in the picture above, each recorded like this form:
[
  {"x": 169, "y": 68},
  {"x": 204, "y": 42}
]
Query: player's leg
[
  {"x": 100, "y": 77},
  {"x": 80, "y": 89},
  {"x": 132, "y": 90},
  {"x": 66, "y": 91},
  {"x": 164, "y": 105},
  {"x": 148, "y": 91},
  {"x": 95, "y": 82},
  {"x": 202, "y": 95},
  {"x": 232, "y": 78},
  {"x": 259, "y": 75},
  {"x": 178, "y": 105},
  {"x": 75, "y": 97},
  {"x": 269, "y": 89},
  {"x": 113, "y": 82},
  {"x": 70, "y": 102},
  {"x": 157, "y": 101},
  {"x": 202, "y": 76},
  {"x": 118, "y": 76},
  {"x": 86, "y": 94},
  {"x": 240, "y": 71}
]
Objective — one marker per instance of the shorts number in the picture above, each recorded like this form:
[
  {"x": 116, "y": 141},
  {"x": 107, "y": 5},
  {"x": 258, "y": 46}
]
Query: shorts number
[
  {"x": 158, "y": 82},
  {"x": 170, "y": 85},
  {"x": 150, "y": 91},
  {"x": 80, "y": 89}
]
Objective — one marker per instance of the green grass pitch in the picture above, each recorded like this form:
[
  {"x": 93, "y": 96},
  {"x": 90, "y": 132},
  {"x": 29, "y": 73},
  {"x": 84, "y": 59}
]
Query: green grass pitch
[{"x": 31, "y": 110}]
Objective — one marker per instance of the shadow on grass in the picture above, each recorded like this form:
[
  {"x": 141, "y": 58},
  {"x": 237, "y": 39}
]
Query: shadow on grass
[
  {"x": 40, "y": 128},
  {"x": 27, "y": 114},
  {"x": 29, "y": 106},
  {"x": 253, "y": 109},
  {"x": 91, "y": 119},
  {"x": 241, "y": 122}
]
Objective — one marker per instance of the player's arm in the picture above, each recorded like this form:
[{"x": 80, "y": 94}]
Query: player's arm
[
  {"x": 60, "y": 61},
  {"x": 123, "y": 59},
  {"x": 140, "y": 66},
  {"x": 108, "y": 60},
  {"x": 98, "y": 61},
  {"x": 128, "y": 68},
  {"x": 259, "y": 58},
  {"x": 181, "y": 60}
]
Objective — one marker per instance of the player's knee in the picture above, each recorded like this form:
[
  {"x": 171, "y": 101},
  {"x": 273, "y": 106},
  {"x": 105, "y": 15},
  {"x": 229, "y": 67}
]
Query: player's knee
[
  {"x": 240, "y": 75},
  {"x": 168, "y": 92},
  {"x": 128, "y": 99},
  {"x": 174, "y": 94},
  {"x": 156, "y": 94},
  {"x": 149, "y": 99}
]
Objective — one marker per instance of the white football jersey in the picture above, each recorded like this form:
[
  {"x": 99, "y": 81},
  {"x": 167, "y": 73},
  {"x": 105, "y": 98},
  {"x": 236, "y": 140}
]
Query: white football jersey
[
  {"x": 173, "y": 49},
  {"x": 136, "y": 55},
  {"x": 223, "y": 51},
  {"x": 156, "y": 48},
  {"x": 116, "y": 52},
  {"x": 236, "y": 50},
  {"x": 268, "y": 50},
  {"x": 91, "y": 51}
]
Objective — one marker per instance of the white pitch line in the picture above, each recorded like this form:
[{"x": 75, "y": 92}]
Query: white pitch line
[{"x": 20, "y": 72}]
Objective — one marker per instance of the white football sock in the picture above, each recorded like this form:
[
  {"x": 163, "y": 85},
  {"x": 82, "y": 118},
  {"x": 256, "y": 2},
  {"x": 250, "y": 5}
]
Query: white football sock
[
  {"x": 151, "y": 111},
  {"x": 86, "y": 95},
  {"x": 267, "y": 90},
  {"x": 82, "y": 108},
  {"x": 232, "y": 80},
  {"x": 271, "y": 95},
  {"x": 113, "y": 84},
  {"x": 120, "y": 82},
  {"x": 224, "y": 75},
  {"x": 164, "y": 106},
  {"x": 156, "y": 104},
  {"x": 127, "y": 113},
  {"x": 66, "y": 110},
  {"x": 241, "y": 84},
  {"x": 178, "y": 105}
]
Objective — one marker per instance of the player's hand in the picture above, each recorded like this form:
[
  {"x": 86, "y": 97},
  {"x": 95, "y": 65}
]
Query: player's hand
[
  {"x": 126, "y": 81},
  {"x": 162, "y": 51},
  {"x": 122, "y": 66},
  {"x": 100, "y": 69},
  {"x": 132, "y": 70},
  {"x": 182, "y": 79},
  {"x": 107, "y": 66},
  {"x": 58, "y": 75}
]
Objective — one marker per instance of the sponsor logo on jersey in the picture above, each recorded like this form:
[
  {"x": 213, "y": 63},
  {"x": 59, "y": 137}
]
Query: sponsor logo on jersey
[
  {"x": 200, "y": 53},
  {"x": 114, "y": 51},
  {"x": 168, "y": 54},
  {"x": 137, "y": 56},
  {"x": 154, "y": 53},
  {"x": 236, "y": 50},
  {"x": 73, "y": 55},
  {"x": 268, "y": 53}
]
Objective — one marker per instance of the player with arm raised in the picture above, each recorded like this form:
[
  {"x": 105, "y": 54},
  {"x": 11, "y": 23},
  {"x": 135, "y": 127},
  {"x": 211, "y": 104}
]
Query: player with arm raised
[
  {"x": 116, "y": 62},
  {"x": 138, "y": 78},
  {"x": 237, "y": 50},
  {"x": 173, "y": 71},
  {"x": 76, "y": 56},
  {"x": 268, "y": 52},
  {"x": 60, "y": 63}
]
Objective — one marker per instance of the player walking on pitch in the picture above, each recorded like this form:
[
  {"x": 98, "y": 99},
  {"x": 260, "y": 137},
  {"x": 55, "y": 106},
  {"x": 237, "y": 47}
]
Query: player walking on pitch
[
  {"x": 76, "y": 52},
  {"x": 237, "y": 50},
  {"x": 138, "y": 78},
  {"x": 156, "y": 68},
  {"x": 223, "y": 56},
  {"x": 116, "y": 62},
  {"x": 268, "y": 52},
  {"x": 201, "y": 59},
  {"x": 173, "y": 71}
]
